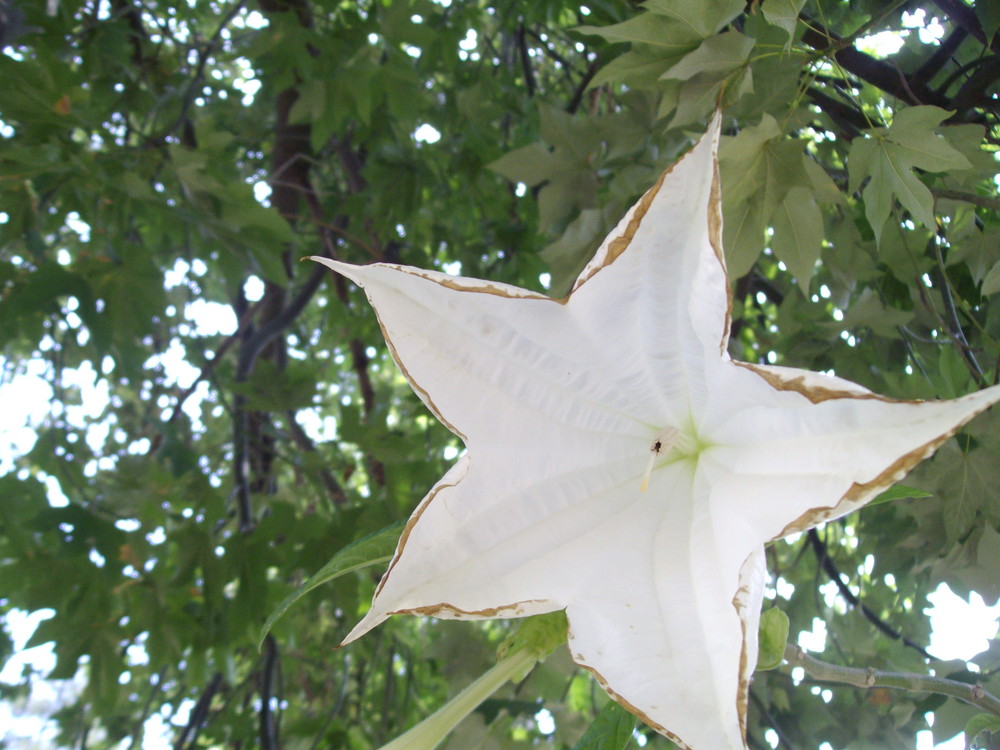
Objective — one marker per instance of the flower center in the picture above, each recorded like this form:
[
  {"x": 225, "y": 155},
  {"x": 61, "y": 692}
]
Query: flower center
[{"x": 665, "y": 440}]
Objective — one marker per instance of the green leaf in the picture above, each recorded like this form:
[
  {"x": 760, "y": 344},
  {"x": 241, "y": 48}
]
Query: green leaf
[
  {"x": 868, "y": 311},
  {"x": 772, "y": 639},
  {"x": 824, "y": 187},
  {"x": 720, "y": 60},
  {"x": 640, "y": 67},
  {"x": 568, "y": 255},
  {"x": 662, "y": 37},
  {"x": 989, "y": 17},
  {"x": 798, "y": 234},
  {"x": 888, "y": 159},
  {"x": 696, "y": 98},
  {"x": 898, "y": 492},
  {"x": 374, "y": 549},
  {"x": 577, "y": 136},
  {"x": 718, "y": 55},
  {"x": 991, "y": 283},
  {"x": 665, "y": 34},
  {"x": 914, "y": 129},
  {"x": 979, "y": 564},
  {"x": 966, "y": 477},
  {"x": 705, "y": 18},
  {"x": 784, "y": 14},
  {"x": 954, "y": 373},
  {"x": 979, "y": 724},
  {"x": 273, "y": 388},
  {"x": 531, "y": 164},
  {"x": 610, "y": 730},
  {"x": 744, "y": 236},
  {"x": 758, "y": 167}
]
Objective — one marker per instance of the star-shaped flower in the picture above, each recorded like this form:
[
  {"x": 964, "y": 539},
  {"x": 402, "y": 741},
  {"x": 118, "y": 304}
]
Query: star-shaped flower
[{"x": 620, "y": 465}]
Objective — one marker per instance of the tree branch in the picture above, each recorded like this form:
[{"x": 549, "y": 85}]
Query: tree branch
[
  {"x": 189, "y": 735},
  {"x": 214, "y": 42},
  {"x": 983, "y": 201},
  {"x": 871, "y": 678},
  {"x": 954, "y": 325},
  {"x": 581, "y": 89},
  {"x": 869, "y": 69},
  {"x": 522, "y": 47},
  {"x": 932, "y": 66},
  {"x": 269, "y": 674},
  {"x": 253, "y": 345},
  {"x": 850, "y": 120},
  {"x": 210, "y": 366}
]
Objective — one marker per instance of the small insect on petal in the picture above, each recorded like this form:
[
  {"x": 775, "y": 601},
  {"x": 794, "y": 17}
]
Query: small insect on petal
[{"x": 665, "y": 440}]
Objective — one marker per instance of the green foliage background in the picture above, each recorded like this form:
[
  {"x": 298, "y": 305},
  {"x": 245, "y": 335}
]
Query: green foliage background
[{"x": 136, "y": 136}]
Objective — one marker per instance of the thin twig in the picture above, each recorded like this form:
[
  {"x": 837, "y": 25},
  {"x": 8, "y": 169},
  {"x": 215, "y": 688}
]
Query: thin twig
[
  {"x": 773, "y": 723},
  {"x": 878, "y": 73},
  {"x": 210, "y": 47},
  {"x": 217, "y": 356},
  {"x": 954, "y": 326},
  {"x": 827, "y": 564},
  {"x": 338, "y": 705}
]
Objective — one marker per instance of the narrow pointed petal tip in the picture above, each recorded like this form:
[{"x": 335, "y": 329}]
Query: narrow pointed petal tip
[{"x": 344, "y": 269}]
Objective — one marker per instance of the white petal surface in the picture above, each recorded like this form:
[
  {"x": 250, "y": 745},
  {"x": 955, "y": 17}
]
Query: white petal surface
[{"x": 565, "y": 406}]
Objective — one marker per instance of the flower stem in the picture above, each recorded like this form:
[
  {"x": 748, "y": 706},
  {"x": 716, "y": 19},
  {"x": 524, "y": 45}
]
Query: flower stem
[{"x": 430, "y": 732}]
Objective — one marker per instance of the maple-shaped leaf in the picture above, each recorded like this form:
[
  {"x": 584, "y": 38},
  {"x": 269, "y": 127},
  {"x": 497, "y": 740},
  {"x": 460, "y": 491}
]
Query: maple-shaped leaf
[
  {"x": 784, "y": 14},
  {"x": 888, "y": 158},
  {"x": 620, "y": 465},
  {"x": 565, "y": 171},
  {"x": 662, "y": 35},
  {"x": 759, "y": 168}
]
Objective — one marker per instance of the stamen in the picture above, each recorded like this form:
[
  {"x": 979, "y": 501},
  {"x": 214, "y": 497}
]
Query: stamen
[{"x": 664, "y": 441}]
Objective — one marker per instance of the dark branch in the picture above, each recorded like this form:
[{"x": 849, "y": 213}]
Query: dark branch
[
  {"x": 932, "y": 66},
  {"x": 850, "y": 120},
  {"x": 954, "y": 325},
  {"x": 189, "y": 735},
  {"x": 529, "y": 74},
  {"x": 828, "y": 566},
  {"x": 871, "y": 70},
  {"x": 253, "y": 345},
  {"x": 581, "y": 88},
  {"x": 191, "y": 92},
  {"x": 269, "y": 676}
]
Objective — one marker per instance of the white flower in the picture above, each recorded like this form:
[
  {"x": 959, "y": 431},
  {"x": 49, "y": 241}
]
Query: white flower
[{"x": 570, "y": 408}]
